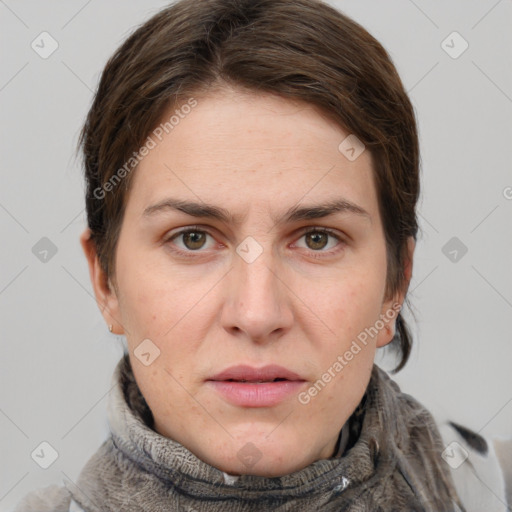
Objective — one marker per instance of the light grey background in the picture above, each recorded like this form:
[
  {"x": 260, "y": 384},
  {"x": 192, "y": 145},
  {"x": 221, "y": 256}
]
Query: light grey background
[{"x": 57, "y": 356}]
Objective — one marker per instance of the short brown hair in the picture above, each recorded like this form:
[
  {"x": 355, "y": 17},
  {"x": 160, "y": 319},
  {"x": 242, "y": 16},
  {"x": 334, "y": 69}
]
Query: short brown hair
[{"x": 299, "y": 49}]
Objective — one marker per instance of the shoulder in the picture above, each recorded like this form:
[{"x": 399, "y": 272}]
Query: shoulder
[
  {"x": 480, "y": 467},
  {"x": 53, "y": 498}
]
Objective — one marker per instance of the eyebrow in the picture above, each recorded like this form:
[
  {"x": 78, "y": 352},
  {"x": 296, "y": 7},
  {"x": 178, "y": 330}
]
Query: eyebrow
[{"x": 294, "y": 214}]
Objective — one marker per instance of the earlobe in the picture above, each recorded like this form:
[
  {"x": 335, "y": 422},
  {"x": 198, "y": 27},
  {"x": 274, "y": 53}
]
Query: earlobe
[
  {"x": 386, "y": 334},
  {"x": 106, "y": 297}
]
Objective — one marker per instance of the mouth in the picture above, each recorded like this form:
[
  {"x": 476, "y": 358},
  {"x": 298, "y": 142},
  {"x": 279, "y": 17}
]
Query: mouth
[
  {"x": 246, "y": 386},
  {"x": 245, "y": 373}
]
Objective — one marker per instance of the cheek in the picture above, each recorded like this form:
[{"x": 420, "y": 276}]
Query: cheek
[
  {"x": 148, "y": 300},
  {"x": 166, "y": 307},
  {"x": 348, "y": 307},
  {"x": 353, "y": 301}
]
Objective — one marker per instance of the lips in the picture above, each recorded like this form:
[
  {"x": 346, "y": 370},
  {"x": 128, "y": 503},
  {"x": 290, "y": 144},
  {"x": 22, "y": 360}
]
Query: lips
[
  {"x": 271, "y": 373},
  {"x": 245, "y": 386}
]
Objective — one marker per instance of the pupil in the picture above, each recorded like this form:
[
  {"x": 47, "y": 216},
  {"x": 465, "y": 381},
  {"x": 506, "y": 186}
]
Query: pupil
[
  {"x": 317, "y": 240},
  {"x": 194, "y": 240}
]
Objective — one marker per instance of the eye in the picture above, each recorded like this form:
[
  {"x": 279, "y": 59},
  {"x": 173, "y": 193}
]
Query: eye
[
  {"x": 318, "y": 239},
  {"x": 192, "y": 239}
]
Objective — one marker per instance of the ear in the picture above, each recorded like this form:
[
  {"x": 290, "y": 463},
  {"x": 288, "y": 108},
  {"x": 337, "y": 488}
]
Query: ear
[
  {"x": 391, "y": 308},
  {"x": 104, "y": 291}
]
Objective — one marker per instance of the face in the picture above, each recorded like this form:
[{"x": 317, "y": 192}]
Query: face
[{"x": 252, "y": 261}]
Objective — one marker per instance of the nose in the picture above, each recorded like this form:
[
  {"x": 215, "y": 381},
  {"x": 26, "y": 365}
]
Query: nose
[{"x": 257, "y": 306}]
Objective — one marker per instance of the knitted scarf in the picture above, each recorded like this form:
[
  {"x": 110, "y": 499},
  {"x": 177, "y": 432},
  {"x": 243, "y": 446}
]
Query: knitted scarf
[{"x": 392, "y": 462}]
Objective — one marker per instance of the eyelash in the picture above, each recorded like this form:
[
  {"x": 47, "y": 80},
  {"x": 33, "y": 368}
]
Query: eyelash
[{"x": 315, "y": 254}]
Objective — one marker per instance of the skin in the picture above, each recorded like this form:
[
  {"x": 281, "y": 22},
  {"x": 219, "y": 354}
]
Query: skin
[{"x": 299, "y": 304}]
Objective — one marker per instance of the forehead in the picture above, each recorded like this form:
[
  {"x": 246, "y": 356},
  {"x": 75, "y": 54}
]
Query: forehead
[{"x": 234, "y": 146}]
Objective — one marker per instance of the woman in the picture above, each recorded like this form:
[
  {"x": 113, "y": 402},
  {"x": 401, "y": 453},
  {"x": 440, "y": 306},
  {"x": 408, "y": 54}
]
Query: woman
[{"x": 252, "y": 173}]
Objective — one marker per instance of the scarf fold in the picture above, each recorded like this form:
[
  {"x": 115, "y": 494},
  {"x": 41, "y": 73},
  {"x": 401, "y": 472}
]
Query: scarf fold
[{"x": 391, "y": 461}]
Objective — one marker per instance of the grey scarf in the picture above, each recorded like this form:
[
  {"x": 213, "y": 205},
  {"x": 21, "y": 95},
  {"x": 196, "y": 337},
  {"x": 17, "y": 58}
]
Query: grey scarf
[{"x": 391, "y": 462}]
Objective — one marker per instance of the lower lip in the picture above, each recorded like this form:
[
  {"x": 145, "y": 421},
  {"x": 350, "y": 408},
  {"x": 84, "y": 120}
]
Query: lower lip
[{"x": 248, "y": 394}]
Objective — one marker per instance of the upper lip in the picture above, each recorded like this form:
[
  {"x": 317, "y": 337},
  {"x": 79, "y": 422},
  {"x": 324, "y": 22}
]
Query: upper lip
[{"x": 250, "y": 374}]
